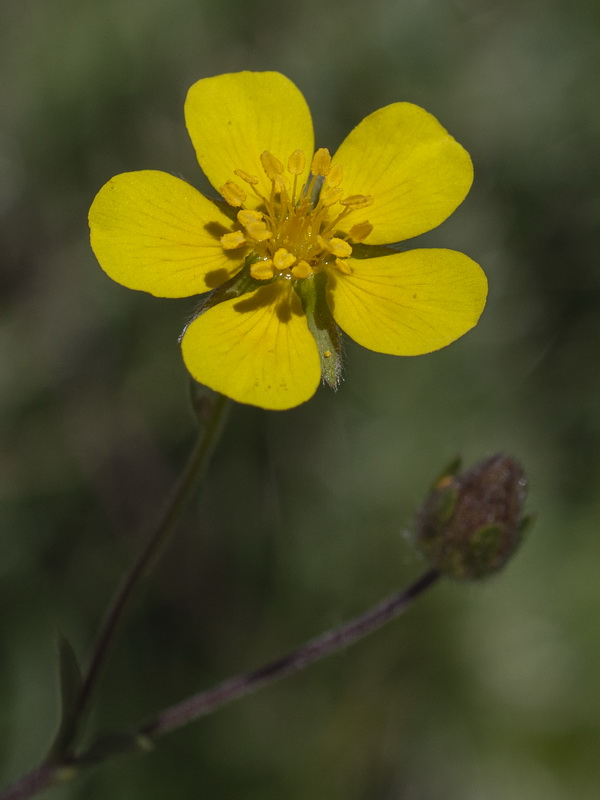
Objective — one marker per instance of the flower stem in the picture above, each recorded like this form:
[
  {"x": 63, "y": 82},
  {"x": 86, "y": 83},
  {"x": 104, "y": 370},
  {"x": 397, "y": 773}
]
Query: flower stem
[
  {"x": 193, "y": 472},
  {"x": 33, "y": 783},
  {"x": 315, "y": 649}
]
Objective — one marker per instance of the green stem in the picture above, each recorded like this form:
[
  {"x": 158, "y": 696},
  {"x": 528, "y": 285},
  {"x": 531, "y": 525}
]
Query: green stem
[{"x": 146, "y": 560}]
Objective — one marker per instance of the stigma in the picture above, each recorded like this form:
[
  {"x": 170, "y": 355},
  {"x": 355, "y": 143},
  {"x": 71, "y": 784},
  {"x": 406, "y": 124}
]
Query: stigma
[{"x": 293, "y": 231}]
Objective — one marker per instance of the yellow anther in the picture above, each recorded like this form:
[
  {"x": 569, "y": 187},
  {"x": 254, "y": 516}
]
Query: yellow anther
[
  {"x": 321, "y": 162},
  {"x": 327, "y": 353},
  {"x": 343, "y": 266},
  {"x": 262, "y": 270},
  {"x": 302, "y": 269},
  {"x": 339, "y": 247},
  {"x": 334, "y": 178},
  {"x": 247, "y": 217},
  {"x": 281, "y": 184},
  {"x": 231, "y": 241},
  {"x": 271, "y": 165},
  {"x": 258, "y": 231},
  {"x": 359, "y": 232},
  {"x": 357, "y": 200},
  {"x": 336, "y": 246},
  {"x": 245, "y": 176},
  {"x": 233, "y": 193},
  {"x": 283, "y": 259},
  {"x": 296, "y": 163},
  {"x": 330, "y": 195}
]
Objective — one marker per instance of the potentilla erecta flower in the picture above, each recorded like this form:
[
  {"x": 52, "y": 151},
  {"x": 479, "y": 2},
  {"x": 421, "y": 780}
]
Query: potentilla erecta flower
[{"x": 292, "y": 253}]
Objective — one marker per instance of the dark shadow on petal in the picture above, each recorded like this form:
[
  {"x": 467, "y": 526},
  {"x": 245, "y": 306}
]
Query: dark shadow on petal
[
  {"x": 284, "y": 310},
  {"x": 217, "y": 277},
  {"x": 216, "y": 230},
  {"x": 275, "y": 294},
  {"x": 264, "y": 296},
  {"x": 363, "y": 251}
]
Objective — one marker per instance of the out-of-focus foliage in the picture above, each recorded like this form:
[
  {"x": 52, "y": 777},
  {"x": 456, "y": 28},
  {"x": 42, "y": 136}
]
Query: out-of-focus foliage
[{"x": 482, "y": 692}]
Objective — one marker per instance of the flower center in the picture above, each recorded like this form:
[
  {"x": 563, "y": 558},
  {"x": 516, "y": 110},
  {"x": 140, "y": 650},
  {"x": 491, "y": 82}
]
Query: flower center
[{"x": 292, "y": 231}]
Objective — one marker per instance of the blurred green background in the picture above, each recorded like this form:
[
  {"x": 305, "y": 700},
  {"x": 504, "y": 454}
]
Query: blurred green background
[{"x": 482, "y": 692}]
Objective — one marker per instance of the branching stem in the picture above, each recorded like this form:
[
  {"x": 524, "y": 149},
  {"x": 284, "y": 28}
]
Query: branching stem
[
  {"x": 204, "y": 703},
  {"x": 193, "y": 472}
]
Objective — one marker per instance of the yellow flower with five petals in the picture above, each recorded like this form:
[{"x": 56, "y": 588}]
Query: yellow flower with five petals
[{"x": 294, "y": 251}]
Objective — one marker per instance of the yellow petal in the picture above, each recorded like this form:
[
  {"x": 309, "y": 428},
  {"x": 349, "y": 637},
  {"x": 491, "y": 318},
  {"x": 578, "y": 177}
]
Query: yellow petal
[
  {"x": 407, "y": 304},
  {"x": 154, "y": 232},
  {"x": 233, "y": 118},
  {"x": 256, "y": 349},
  {"x": 415, "y": 171}
]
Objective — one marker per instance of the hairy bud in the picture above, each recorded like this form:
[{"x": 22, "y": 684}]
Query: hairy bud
[{"x": 472, "y": 522}]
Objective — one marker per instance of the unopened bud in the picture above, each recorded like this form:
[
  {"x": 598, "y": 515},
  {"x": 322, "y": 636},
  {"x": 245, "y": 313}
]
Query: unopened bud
[{"x": 472, "y": 522}]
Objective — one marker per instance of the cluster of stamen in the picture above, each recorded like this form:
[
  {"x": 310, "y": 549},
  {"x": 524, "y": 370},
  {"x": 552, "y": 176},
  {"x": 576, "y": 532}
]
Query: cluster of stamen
[{"x": 292, "y": 235}]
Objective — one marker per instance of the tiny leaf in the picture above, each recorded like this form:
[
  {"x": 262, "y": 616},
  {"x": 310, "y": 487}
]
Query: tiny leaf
[{"x": 70, "y": 687}]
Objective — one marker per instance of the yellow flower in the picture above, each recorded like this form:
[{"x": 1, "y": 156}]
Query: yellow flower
[{"x": 288, "y": 251}]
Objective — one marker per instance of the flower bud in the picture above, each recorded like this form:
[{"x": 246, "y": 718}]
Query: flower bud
[{"x": 472, "y": 522}]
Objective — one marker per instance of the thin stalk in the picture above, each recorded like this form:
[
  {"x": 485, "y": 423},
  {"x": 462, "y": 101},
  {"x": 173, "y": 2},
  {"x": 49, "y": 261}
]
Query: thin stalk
[
  {"x": 33, "y": 783},
  {"x": 314, "y": 650},
  {"x": 193, "y": 472}
]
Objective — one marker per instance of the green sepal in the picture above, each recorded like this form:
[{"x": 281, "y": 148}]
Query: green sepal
[
  {"x": 321, "y": 324},
  {"x": 445, "y": 501},
  {"x": 526, "y": 524},
  {"x": 484, "y": 551},
  {"x": 70, "y": 683},
  {"x": 449, "y": 471},
  {"x": 241, "y": 283}
]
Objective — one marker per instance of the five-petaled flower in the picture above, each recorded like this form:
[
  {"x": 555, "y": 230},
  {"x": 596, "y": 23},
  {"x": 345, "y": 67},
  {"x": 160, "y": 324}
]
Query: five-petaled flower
[{"x": 294, "y": 249}]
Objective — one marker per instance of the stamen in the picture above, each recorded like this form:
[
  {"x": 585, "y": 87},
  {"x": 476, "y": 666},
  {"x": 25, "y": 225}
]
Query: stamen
[
  {"x": 271, "y": 165},
  {"x": 233, "y": 194},
  {"x": 343, "y": 266},
  {"x": 258, "y": 231},
  {"x": 321, "y": 162},
  {"x": 330, "y": 195},
  {"x": 296, "y": 166},
  {"x": 357, "y": 200},
  {"x": 360, "y": 231},
  {"x": 281, "y": 184},
  {"x": 245, "y": 176},
  {"x": 293, "y": 236},
  {"x": 262, "y": 270},
  {"x": 283, "y": 259},
  {"x": 247, "y": 217},
  {"x": 296, "y": 163},
  {"x": 334, "y": 178},
  {"x": 302, "y": 269},
  {"x": 336, "y": 246},
  {"x": 231, "y": 241}
]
